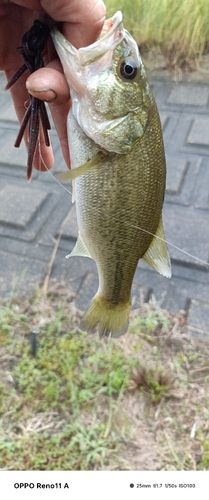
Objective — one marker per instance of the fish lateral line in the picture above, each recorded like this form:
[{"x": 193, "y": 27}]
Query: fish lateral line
[{"x": 188, "y": 254}]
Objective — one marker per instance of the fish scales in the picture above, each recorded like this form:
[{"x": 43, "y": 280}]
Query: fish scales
[
  {"x": 123, "y": 202},
  {"x": 115, "y": 137}
]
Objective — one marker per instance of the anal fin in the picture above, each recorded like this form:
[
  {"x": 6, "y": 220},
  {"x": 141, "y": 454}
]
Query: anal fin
[
  {"x": 157, "y": 255},
  {"x": 79, "y": 250}
]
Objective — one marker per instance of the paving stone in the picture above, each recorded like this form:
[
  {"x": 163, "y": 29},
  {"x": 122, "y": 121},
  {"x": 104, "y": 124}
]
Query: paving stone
[
  {"x": 9, "y": 154},
  {"x": 140, "y": 294},
  {"x": 164, "y": 120},
  {"x": 70, "y": 225},
  {"x": 31, "y": 216},
  {"x": 188, "y": 94},
  {"x": 174, "y": 294},
  {"x": 169, "y": 122},
  {"x": 33, "y": 209},
  {"x": 177, "y": 167},
  {"x": 5, "y": 104},
  {"x": 162, "y": 90},
  {"x": 198, "y": 319},
  {"x": 2, "y": 81},
  {"x": 199, "y": 132},
  {"x": 73, "y": 269},
  {"x": 194, "y": 276},
  {"x": 31, "y": 249},
  {"x": 46, "y": 222},
  {"x": 175, "y": 298},
  {"x": 184, "y": 138},
  {"x": 16, "y": 209},
  {"x": 87, "y": 292},
  {"x": 20, "y": 274},
  {"x": 171, "y": 294},
  {"x": 201, "y": 189},
  {"x": 12, "y": 172},
  {"x": 7, "y": 112},
  {"x": 182, "y": 179},
  {"x": 180, "y": 291},
  {"x": 59, "y": 163},
  {"x": 188, "y": 231},
  {"x": 52, "y": 212}
]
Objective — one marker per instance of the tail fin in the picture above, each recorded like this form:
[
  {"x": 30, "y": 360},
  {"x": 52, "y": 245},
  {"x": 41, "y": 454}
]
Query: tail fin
[{"x": 111, "y": 318}]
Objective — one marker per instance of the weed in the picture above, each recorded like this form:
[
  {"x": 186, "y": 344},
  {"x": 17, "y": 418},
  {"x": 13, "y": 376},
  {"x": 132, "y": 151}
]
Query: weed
[
  {"x": 179, "y": 28},
  {"x": 83, "y": 403},
  {"x": 151, "y": 319}
]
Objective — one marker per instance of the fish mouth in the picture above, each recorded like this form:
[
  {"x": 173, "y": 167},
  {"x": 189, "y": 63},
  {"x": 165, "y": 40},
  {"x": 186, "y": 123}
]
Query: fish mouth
[{"x": 112, "y": 33}]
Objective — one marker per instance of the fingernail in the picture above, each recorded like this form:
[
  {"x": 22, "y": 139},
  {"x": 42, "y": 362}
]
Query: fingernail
[{"x": 46, "y": 94}]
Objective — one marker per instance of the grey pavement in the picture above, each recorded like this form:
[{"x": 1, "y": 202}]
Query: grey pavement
[{"x": 32, "y": 215}]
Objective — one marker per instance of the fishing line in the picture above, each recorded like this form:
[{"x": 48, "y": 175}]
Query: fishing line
[{"x": 135, "y": 227}]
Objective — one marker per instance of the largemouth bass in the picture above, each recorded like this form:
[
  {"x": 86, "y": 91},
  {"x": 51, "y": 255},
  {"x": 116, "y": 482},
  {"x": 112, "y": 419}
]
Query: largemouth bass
[{"x": 118, "y": 168}]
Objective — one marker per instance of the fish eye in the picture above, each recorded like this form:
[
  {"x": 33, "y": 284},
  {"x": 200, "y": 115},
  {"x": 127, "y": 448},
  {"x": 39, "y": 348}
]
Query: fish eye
[{"x": 128, "y": 69}]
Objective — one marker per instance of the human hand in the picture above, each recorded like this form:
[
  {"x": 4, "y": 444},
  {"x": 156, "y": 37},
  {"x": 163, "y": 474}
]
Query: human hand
[{"x": 81, "y": 26}]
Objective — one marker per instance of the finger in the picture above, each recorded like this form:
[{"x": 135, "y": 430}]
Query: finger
[
  {"x": 82, "y": 23},
  {"x": 49, "y": 85},
  {"x": 59, "y": 114}
]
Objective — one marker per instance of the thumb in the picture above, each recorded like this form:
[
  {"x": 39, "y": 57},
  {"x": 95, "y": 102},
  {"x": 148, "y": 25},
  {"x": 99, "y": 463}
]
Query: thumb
[{"x": 49, "y": 85}]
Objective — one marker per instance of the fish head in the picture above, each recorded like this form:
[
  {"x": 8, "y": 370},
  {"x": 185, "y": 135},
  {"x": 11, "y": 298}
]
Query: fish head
[{"x": 110, "y": 93}]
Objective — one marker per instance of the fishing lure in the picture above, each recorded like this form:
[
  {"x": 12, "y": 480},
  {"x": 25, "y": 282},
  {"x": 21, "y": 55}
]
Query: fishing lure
[{"x": 33, "y": 43}]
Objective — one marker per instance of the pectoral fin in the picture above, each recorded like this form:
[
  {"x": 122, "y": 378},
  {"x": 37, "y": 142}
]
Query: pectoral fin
[
  {"x": 157, "y": 255},
  {"x": 79, "y": 250},
  {"x": 72, "y": 174}
]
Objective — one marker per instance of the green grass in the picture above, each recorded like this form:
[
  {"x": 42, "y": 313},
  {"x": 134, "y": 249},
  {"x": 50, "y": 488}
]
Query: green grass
[
  {"x": 85, "y": 403},
  {"x": 180, "y": 28}
]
